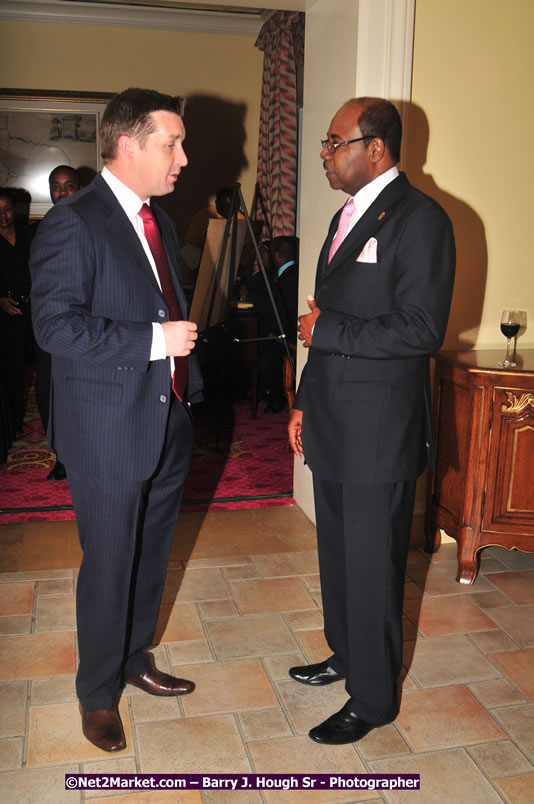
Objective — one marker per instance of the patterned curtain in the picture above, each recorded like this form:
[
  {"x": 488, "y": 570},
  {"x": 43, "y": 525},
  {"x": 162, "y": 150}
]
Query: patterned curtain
[{"x": 281, "y": 39}]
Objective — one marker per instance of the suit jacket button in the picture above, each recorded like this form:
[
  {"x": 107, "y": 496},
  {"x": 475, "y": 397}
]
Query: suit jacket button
[
  {"x": 161, "y": 313},
  {"x": 162, "y": 398},
  {"x": 119, "y": 368}
]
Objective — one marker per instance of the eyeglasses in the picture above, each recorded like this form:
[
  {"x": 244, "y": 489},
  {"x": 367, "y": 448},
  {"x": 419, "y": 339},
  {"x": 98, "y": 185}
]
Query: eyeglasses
[{"x": 332, "y": 146}]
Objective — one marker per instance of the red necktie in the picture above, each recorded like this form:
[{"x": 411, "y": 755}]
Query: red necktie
[
  {"x": 346, "y": 214},
  {"x": 153, "y": 236}
]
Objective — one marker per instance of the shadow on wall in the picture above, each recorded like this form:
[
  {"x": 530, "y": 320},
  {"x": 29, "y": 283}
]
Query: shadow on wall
[
  {"x": 214, "y": 144},
  {"x": 469, "y": 232}
]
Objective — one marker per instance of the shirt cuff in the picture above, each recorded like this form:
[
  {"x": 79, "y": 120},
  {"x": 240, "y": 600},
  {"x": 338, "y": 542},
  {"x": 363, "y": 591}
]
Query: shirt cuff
[{"x": 158, "y": 350}]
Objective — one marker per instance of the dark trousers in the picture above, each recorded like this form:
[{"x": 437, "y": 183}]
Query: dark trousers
[
  {"x": 43, "y": 378},
  {"x": 271, "y": 371},
  {"x": 126, "y": 531},
  {"x": 17, "y": 346},
  {"x": 363, "y": 534}
]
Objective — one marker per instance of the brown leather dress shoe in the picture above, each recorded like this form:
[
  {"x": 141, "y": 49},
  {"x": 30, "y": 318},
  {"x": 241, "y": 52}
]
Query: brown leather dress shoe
[
  {"x": 103, "y": 728},
  {"x": 157, "y": 683}
]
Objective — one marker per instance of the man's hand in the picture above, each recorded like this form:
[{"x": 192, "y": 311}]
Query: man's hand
[
  {"x": 180, "y": 337},
  {"x": 307, "y": 322},
  {"x": 294, "y": 429},
  {"x": 9, "y": 306}
]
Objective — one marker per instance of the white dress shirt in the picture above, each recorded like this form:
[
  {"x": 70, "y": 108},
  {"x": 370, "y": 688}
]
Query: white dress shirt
[
  {"x": 131, "y": 204},
  {"x": 365, "y": 197}
]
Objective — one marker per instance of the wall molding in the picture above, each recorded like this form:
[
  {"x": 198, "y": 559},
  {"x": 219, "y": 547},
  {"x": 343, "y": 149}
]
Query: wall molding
[
  {"x": 123, "y": 16},
  {"x": 385, "y": 53},
  {"x": 385, "y": 48}
]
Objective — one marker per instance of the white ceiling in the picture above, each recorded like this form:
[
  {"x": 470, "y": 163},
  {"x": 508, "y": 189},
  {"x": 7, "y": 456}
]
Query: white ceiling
[
  {"x": 217, "y": 16},
  {"x": 256, "y": 5}
]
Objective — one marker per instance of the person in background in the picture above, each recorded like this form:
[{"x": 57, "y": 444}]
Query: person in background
[
  {"x": 196, "y": 232},
  {"x": 63, "y": 181},
  {"x": 16, "y": 335},
  {"x": 109, "y": 307},
  {"x": 285, "y": 253},
  {"x": 281, "y": 266},
  {"x": 361, "y": 415}
]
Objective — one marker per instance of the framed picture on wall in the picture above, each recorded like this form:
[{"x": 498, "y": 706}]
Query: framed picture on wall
[{"x": 40, "y": 129}]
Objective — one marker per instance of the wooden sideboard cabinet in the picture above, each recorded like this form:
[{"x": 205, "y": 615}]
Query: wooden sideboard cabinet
[{"x": 482, "y": 492}]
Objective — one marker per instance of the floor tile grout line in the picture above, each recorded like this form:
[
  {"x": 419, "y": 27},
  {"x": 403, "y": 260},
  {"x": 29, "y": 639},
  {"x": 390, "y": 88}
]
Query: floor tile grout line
[
  {"x": 26, "y": 724},
  {"x": 481, "y": 769},
  {"x": 508, "y": 634},
  {"x": 280, "y": 699},
  {"x": 206, "y": 631},
  {"x": 469, "y": 684},
  {"x": 419, "y": 636},
  {"x": 515, "y": 743}
]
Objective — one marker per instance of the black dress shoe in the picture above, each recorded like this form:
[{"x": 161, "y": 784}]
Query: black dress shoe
[
  {"x": 315, "y": 674},
  {"x": 103, "y": 728},
  {"x": 58, "y": 472},
  {"x": 157, "y": 683},
  {"x": 341, "y": 728}
]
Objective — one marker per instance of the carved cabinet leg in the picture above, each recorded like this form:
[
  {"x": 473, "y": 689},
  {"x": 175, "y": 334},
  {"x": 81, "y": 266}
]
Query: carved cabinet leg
[{"x": 467, "y": 557}]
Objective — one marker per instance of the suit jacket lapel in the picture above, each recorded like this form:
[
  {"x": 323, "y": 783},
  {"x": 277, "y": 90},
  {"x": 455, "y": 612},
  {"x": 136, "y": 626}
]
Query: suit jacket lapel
[
  {"x": 323, "y": 267},
  {"x": 368, "y": 225},
  {"x": 121, "y": 229}
]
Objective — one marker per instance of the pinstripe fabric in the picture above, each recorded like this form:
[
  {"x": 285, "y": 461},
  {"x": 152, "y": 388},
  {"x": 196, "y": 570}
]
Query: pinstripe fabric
[
  {"x": 126, "y": 530},
  {"x": 94, "y": 298},
  {"x": 124, "y": 441}
]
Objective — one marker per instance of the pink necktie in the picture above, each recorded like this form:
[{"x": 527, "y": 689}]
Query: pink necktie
[
  {"x": 346, "y": 215},
  {"x": 153, "y": 236}
]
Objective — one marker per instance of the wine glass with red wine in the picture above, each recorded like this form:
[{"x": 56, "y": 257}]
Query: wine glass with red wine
[{"x": 509, "y": 327}]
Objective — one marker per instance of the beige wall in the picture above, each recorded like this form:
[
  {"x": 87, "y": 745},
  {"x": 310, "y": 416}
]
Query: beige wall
[
  {"x": 472, "y": 81},
  {"x": 467, "y": 144},
  {"x": 220, "y": 74},
  {"x": 329, "y": 79},
  {"x": 467, "y": 133}
]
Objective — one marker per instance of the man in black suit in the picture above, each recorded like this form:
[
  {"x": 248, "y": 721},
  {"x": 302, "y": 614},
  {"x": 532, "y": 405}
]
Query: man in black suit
[
  {"x": 285, "y": 253},
  {"x": 109, "y": 307},
  {"x": 361, "y": 416}
]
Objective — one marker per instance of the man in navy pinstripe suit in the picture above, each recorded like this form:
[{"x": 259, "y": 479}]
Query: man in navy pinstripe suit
[{"x": 124, "y": 435}]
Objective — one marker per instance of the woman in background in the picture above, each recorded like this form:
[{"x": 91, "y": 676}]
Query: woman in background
[{"x": 16, "y": 334}]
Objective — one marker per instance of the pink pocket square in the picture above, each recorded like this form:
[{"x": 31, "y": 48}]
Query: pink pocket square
[{"x": 368, "y": 253}]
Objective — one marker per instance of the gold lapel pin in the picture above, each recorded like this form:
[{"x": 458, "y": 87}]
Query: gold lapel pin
[{"x": 382, "y": 215}]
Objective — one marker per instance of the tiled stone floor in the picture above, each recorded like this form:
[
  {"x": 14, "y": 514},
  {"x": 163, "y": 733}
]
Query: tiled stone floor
[{"x": 242, "y": 604}]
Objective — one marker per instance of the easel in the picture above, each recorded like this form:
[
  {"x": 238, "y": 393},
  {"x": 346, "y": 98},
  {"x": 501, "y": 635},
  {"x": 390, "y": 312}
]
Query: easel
[{"x": 214, "y": 319}]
